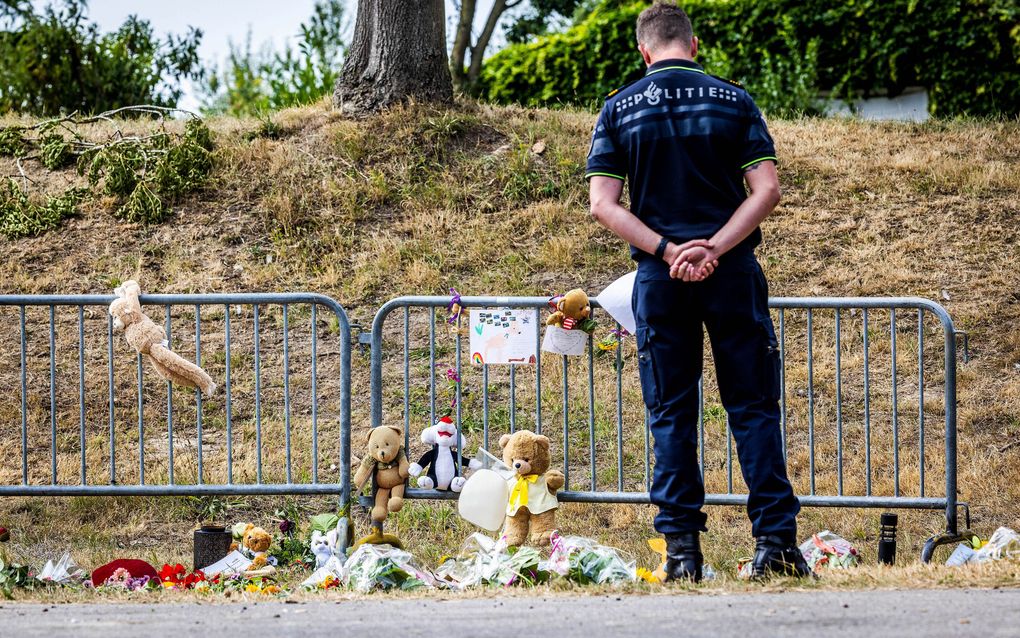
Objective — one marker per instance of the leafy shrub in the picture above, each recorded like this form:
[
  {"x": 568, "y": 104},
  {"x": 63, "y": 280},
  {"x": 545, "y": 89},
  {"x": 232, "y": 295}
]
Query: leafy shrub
[
  {"x": 56, "y": 61},
  {"x": 256, "y": 82},
  {"x": 19, "y": 217},
  {"x": 966, "y": 52}
]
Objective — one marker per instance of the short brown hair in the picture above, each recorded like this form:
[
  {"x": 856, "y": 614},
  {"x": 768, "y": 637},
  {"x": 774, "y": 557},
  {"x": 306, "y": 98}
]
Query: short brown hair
[{"x": 664, "y": 23}]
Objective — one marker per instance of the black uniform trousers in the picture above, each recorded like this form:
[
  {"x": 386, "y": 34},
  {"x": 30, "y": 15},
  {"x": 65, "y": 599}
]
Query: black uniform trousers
[{"x": 732, "y": 304}]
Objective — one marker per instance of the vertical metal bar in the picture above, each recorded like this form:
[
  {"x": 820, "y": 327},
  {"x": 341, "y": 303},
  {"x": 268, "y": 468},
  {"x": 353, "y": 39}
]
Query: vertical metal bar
[
  {"x": 315, "y": 396},
  {"x": 24, "y": 401},
  {"x": 811, "y": 396},
  {"x": 701, "y": 426},
  {"x": 286, "y": 388},
  {"x": 513, "y": 398},
  {"x": 169, "y": 402},
  {"x": 432, "y": 366},
  {"x": 229, "y": 398},
  {"x": 407, "y": 377},
  {"x": 729, "y": 456},
  {"x": 538, "y": 373},
  {"x": 895, "y": 407},
  {"x": 113, "y": 437},
  {"x": 839, "y": 406},
  {"x": 81, "y": 387},
  {"x": 141, "y": 423},
  {"x": 867, "y": 408},
  {"x": 782, "y": 375},
  {"x": 458, "y": 395},
  {"x": 566, "y": 426},
  {"x": 53, "y": 400},
  {"x": 485, "y": 406},
  {"x": 920, "y": 395},
  {"x": 950, "y": 403},
  {"x": 198, "y": 393},
  {"x": 591, "y": 407},
  {"x": 619, "y": 409},
  {"x": 258, "y": 396}
]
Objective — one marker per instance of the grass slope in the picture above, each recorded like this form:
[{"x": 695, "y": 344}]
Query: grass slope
[{"x": 490, "y": 200}]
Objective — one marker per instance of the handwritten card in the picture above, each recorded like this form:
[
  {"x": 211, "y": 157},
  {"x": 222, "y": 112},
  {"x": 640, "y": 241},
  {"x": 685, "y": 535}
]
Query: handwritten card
[
  {"x": 503, "y": 336},
  {"x": 560, "y": 341}
]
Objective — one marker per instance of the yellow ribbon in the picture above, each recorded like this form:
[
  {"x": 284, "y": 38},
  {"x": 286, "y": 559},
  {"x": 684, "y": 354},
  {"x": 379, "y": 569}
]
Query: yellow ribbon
[{"x": 519, "y": 495}]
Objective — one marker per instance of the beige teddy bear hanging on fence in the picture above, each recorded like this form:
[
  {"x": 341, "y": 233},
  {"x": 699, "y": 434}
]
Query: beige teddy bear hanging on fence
[{"x": 149, "y": 339}]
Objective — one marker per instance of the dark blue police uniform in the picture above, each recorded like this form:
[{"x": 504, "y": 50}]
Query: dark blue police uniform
[{"x": 683, "y": 139}]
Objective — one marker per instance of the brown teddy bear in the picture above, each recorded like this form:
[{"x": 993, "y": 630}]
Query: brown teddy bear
[
  {"x": 532, "y": 507},
  {"x": 572, "y": 311},
  {"x": 388, "y": 463},
  {"x": 257, "y": 541},
  {"x": 149, "y": 339}
]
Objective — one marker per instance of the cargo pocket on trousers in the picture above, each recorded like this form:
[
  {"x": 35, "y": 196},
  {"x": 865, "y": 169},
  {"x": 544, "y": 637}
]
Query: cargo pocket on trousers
[
  {"x": 771, "y": 372},
  {"x": 646, "y": 369}
]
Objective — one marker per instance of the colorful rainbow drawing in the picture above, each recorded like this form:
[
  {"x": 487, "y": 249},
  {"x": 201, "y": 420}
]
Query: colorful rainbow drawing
[{"x": 476, "y": 358}]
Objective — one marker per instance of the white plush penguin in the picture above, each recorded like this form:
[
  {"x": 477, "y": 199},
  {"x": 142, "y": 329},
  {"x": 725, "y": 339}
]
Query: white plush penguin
[{"x": 441, "y": 460}]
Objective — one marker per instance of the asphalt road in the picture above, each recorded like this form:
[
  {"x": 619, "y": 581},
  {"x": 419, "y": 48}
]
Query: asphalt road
[{"x": 815, "y": 614}]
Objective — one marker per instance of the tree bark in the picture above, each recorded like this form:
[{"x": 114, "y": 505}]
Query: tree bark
[
  {"x": 398, "y": 52},
  {"x": 478, "y": 50},
  {"x": 462, "y": 41}
]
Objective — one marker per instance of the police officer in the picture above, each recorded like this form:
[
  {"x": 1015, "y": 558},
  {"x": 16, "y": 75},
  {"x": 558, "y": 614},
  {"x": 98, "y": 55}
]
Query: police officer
[{"x": 687, "y": 142}]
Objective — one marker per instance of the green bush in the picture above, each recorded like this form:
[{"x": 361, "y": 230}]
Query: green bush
[
  {"x": 56, "y": 61},
  {"x": 966, "y": 52}
]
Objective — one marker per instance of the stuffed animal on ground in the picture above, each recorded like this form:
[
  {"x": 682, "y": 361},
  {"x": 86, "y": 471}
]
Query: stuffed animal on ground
[
  {"x": 572, "y": 311},
  {"x": 149, "y": 339},
  {"x": 531, "y": 512},
  {"x": 387, "y": 462},
  {"x": 441, "y": 460},
  {"x": 324, "y": 545},
  {"x": 257, "y": 541}
]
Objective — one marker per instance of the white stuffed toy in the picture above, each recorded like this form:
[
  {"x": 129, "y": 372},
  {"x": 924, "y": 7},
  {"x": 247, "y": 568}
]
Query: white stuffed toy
[
  {"x": 441, "y": 460},
  {"x": 324, "y": 545}
]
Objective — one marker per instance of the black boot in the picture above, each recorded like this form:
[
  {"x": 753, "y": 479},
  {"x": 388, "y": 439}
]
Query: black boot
[
  {"x": 683, "y": 557},
  {"x": 773, "y": 555}
]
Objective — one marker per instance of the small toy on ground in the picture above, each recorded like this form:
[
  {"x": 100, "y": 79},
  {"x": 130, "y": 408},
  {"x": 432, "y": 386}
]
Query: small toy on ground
[
  {"x": 531, "y": 512},
  {"x": 441, "y": 460},
  {"x": 573, "y": 310},
  {"x": 324, "y": 545},
  {"x": 256, "y": 542},
  {"x": 387, "y": 463},
  {"x": 149, "y": 339}
]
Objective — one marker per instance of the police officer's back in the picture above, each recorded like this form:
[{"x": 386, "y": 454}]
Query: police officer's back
[{"x": 686, "y": 143}]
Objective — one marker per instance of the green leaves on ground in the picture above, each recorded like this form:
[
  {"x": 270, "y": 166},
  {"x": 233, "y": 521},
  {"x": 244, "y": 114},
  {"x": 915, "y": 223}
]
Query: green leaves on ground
[{"x": 145, "y": 174}]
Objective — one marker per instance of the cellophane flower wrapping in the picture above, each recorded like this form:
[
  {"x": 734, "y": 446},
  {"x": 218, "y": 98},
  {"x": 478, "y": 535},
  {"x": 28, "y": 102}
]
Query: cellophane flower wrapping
[
  {"x": 584, "y": 561},
  {"x": 385, "y": 567},
  {"x": 484, "y": 561},
  {"x": 826, "y": 550}
]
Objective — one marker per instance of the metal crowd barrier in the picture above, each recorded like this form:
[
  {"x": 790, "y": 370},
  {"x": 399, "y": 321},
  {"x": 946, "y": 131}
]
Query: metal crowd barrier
[
  {"x": 830, "y": 420},
  {"x": 283, "y": 370},
  {"x": 868, "y": 402}
]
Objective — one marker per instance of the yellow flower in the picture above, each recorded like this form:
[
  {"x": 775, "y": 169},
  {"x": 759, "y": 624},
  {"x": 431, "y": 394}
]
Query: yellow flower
[
  {"x": 168, "y": 585},
  {"x": 202, "y": 586},
  {"x": 646, "y": 575},
  {"x": 252, "y": 589},
  {"x": 271, "y": 589}
]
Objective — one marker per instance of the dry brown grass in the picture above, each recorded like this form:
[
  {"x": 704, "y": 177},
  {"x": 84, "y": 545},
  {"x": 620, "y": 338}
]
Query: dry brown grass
[{"x": 418, "y": 200}]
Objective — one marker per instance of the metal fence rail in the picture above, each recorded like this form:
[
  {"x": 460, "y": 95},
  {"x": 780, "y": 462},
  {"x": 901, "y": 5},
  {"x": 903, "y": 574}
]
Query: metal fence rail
[
  {"x": 847, "y": 437},
  {"x": 284, "y": 370}
]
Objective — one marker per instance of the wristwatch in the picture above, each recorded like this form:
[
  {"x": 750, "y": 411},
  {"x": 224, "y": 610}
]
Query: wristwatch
[{"x": 660, "y": 251}]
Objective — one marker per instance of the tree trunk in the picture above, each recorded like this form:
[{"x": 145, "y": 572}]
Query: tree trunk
[
  {"x": 478, "y": 51},
  {"x": 398, "y": 52},
  {"x": 461, "y": 42}
]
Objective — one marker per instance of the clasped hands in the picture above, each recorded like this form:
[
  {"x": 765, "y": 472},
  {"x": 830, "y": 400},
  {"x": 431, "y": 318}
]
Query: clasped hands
[{"x": 691, "y": 261}]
